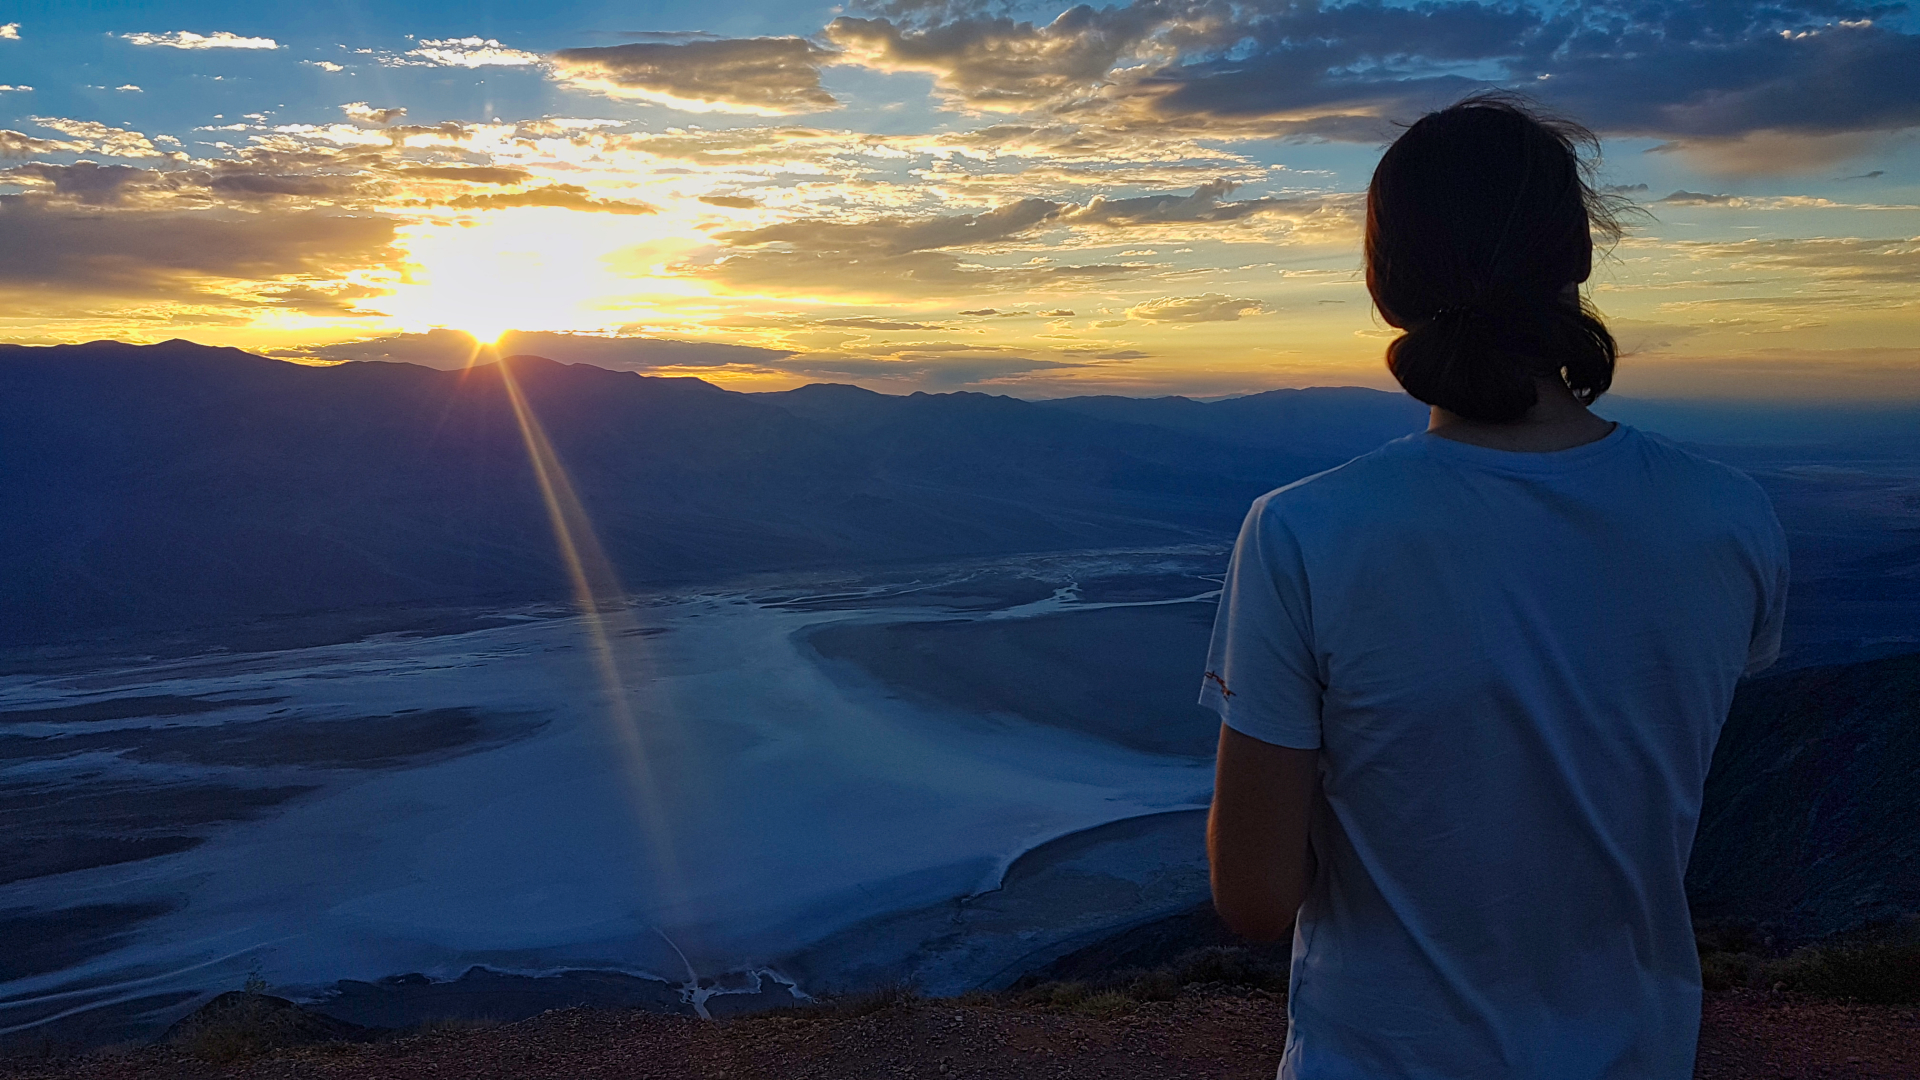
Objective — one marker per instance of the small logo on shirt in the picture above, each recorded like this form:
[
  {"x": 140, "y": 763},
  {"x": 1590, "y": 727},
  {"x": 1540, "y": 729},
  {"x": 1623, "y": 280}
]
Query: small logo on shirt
[{"x": 1224, "y": 692}]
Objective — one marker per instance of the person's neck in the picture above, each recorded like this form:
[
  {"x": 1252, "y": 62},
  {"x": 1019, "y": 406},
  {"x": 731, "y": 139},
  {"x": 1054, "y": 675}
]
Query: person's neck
[{"x": 1556, "y": 422}]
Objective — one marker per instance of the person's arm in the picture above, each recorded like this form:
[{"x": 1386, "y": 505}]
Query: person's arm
[{"x": 1257, "y": 833}]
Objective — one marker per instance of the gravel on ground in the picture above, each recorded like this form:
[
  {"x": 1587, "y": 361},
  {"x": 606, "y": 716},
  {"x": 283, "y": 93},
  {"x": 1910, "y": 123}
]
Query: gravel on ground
[{"x": 1231, "y": 1035}]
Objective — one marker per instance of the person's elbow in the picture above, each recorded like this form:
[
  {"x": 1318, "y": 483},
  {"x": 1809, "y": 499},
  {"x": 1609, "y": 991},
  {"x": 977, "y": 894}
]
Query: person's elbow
[
  {"x": 1261, "y": 915},
  {"x": 1257, "y": 834}
]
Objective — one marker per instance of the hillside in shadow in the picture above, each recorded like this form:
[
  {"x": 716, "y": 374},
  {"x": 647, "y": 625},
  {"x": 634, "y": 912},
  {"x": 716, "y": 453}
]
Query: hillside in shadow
[
  {"x": 1809, "y": 826},
  {"x": 177, "y": 484}
]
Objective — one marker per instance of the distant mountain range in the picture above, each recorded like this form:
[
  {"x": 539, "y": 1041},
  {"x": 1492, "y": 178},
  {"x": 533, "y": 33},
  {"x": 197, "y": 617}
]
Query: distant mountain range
[{"x": 170, "y": 485}]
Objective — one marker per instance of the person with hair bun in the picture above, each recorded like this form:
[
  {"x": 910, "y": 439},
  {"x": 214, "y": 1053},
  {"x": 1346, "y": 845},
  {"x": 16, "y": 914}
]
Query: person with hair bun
[{"x": 1470, "y": 683}]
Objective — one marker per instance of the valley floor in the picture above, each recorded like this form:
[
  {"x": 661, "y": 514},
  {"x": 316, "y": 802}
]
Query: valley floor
[{"x": 1230, "y": 1035}]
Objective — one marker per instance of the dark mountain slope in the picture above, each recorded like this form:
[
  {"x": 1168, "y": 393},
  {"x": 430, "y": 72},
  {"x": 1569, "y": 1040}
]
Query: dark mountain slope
[
  {"x": 1336, "y": 421},
  {"x": 1812, "y": 818},
  {"x": 175, "y": 484}
]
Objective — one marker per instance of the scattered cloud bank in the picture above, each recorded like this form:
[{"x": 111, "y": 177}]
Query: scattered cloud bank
[
  {"x": 772, "y": 76},
  {"x": 49, "y": 254},
  {"x": 187, "y": 39},
  {"x": 362, "y": 113},
  {"x": 562, "y": 196},
  {"x": 15, "y": 144},
  {"x": 922, "y": 256},
  {"x": 466, "y": 52},
  {"x": 1209, "y": 307},
  {"x": 95, "y": 137},
  {"x": 1709, "y": 81},
  {"x": 1106, "y": 161}
]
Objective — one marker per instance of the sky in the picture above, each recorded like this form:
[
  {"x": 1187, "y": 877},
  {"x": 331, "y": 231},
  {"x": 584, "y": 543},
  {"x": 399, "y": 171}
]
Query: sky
[{"x": 1155, "y": 197}]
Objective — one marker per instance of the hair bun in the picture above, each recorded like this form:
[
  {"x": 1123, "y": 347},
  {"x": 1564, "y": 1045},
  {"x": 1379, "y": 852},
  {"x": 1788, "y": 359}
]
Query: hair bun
[{"x": 1455, "y": 360}]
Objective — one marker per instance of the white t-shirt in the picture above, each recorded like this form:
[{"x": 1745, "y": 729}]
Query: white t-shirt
[{"x": 1515, "y": 666}]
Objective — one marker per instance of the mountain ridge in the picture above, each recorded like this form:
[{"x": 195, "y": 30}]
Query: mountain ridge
[{"x": 178, "y": 483}]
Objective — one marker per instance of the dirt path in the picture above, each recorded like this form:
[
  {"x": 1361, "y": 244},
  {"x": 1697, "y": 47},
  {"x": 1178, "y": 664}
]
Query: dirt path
[{"x": 1214, "y": 1036}]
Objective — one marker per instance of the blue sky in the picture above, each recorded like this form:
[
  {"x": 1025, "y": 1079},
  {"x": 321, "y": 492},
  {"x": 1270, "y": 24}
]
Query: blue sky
[{"x": 1142, "y": 197}]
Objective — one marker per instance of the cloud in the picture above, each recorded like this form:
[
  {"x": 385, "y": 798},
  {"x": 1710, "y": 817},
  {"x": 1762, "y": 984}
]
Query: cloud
[
  {"x": 16, "y": 144},
  {"x": 1636, "y": 336},
  {"x": 10, "y": 31},
  {"x": 892, "y": 256},
  {"x": 992, "y": 62},
  {"x": 934, "y": 11},
  {"x": 1741, "y": 87},
  {"x": 464, "y": 52},
  {"x": 1856, "y": 259},
  {"x": 562, "y": 196},
  {"x": 210, "y": 256},
  {"x": 1769, "y": 153},
  {"x": 85, "y": 182},
  {"x": 1746, "y": 70},
  {"x": 187, "y": 39},
  {"x": 1010, "y": 220},
  {"x": 773, "y": 76},
  {"x": 5, "y": 88},
  {"x": 245, "y": 185},
  {"x": 465, "y": 174},
  {"x": 325, "y": 65},
  {"x": 362, "y": 113},
  {"x": 457, "y": 349},
  {"x": 942, "y": 372},
  {"x": 1696, "y": 198},
  {"x": 898, "y": 236},
  {"x": 1207, "y": 307},
  {"x": 1203, "y": 206},
  {"x": 102, "y": 139},
  {"x": 1762, "y": 202},
  {"x": 903, "y": 256},
  {"x": 732, "y": 202},
  {"x": 1102, "y": 139},
  {"x": 868, "y": 322},
  {"x": 129, "y": 88}
]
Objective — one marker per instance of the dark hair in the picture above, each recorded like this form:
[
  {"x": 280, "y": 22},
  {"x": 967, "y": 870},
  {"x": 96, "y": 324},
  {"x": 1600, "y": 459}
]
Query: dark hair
[{"x": 1478, "y": 218}]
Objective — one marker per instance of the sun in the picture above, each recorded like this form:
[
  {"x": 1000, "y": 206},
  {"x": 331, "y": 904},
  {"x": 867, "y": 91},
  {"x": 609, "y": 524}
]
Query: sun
[
  {"x": 485, "y": 332},
  {"x": 530, "y": 268}
]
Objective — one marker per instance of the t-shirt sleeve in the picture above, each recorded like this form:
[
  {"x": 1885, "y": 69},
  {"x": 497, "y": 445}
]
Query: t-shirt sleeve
[
  {"x": 1263, "y": 675},
  {"x": 1772, "y": 610}
]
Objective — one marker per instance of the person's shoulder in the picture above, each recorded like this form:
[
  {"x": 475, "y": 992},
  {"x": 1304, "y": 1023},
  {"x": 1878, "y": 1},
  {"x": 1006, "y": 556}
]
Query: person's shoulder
[
  {"x": 1356, "y": 483},
  {"x": 1675, "y": 461}
]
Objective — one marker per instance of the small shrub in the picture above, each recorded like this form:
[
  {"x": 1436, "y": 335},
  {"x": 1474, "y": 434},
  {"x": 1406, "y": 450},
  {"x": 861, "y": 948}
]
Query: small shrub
[
  {"x": 1723, "y": 971},
  {"x": 1055, "y": 995},
  {"x": 872, "y": 1001},
  {"x": 1219, "y": 967},
  {"x": 246, "y": 1025},
  {"x": 1105, "y": 1005},
  {"x": 1160, "y": 984},
  {"x": 1873, "y": 972},
  {"x": 1229, "y": 967}
]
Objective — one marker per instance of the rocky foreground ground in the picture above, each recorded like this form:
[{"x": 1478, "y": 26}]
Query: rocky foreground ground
[{"x": 1203, "y": 1032}]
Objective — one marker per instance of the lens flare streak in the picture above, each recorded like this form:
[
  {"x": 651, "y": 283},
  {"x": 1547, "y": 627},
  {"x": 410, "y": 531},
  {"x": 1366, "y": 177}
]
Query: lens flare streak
[{"x": 604, "y": 615}]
